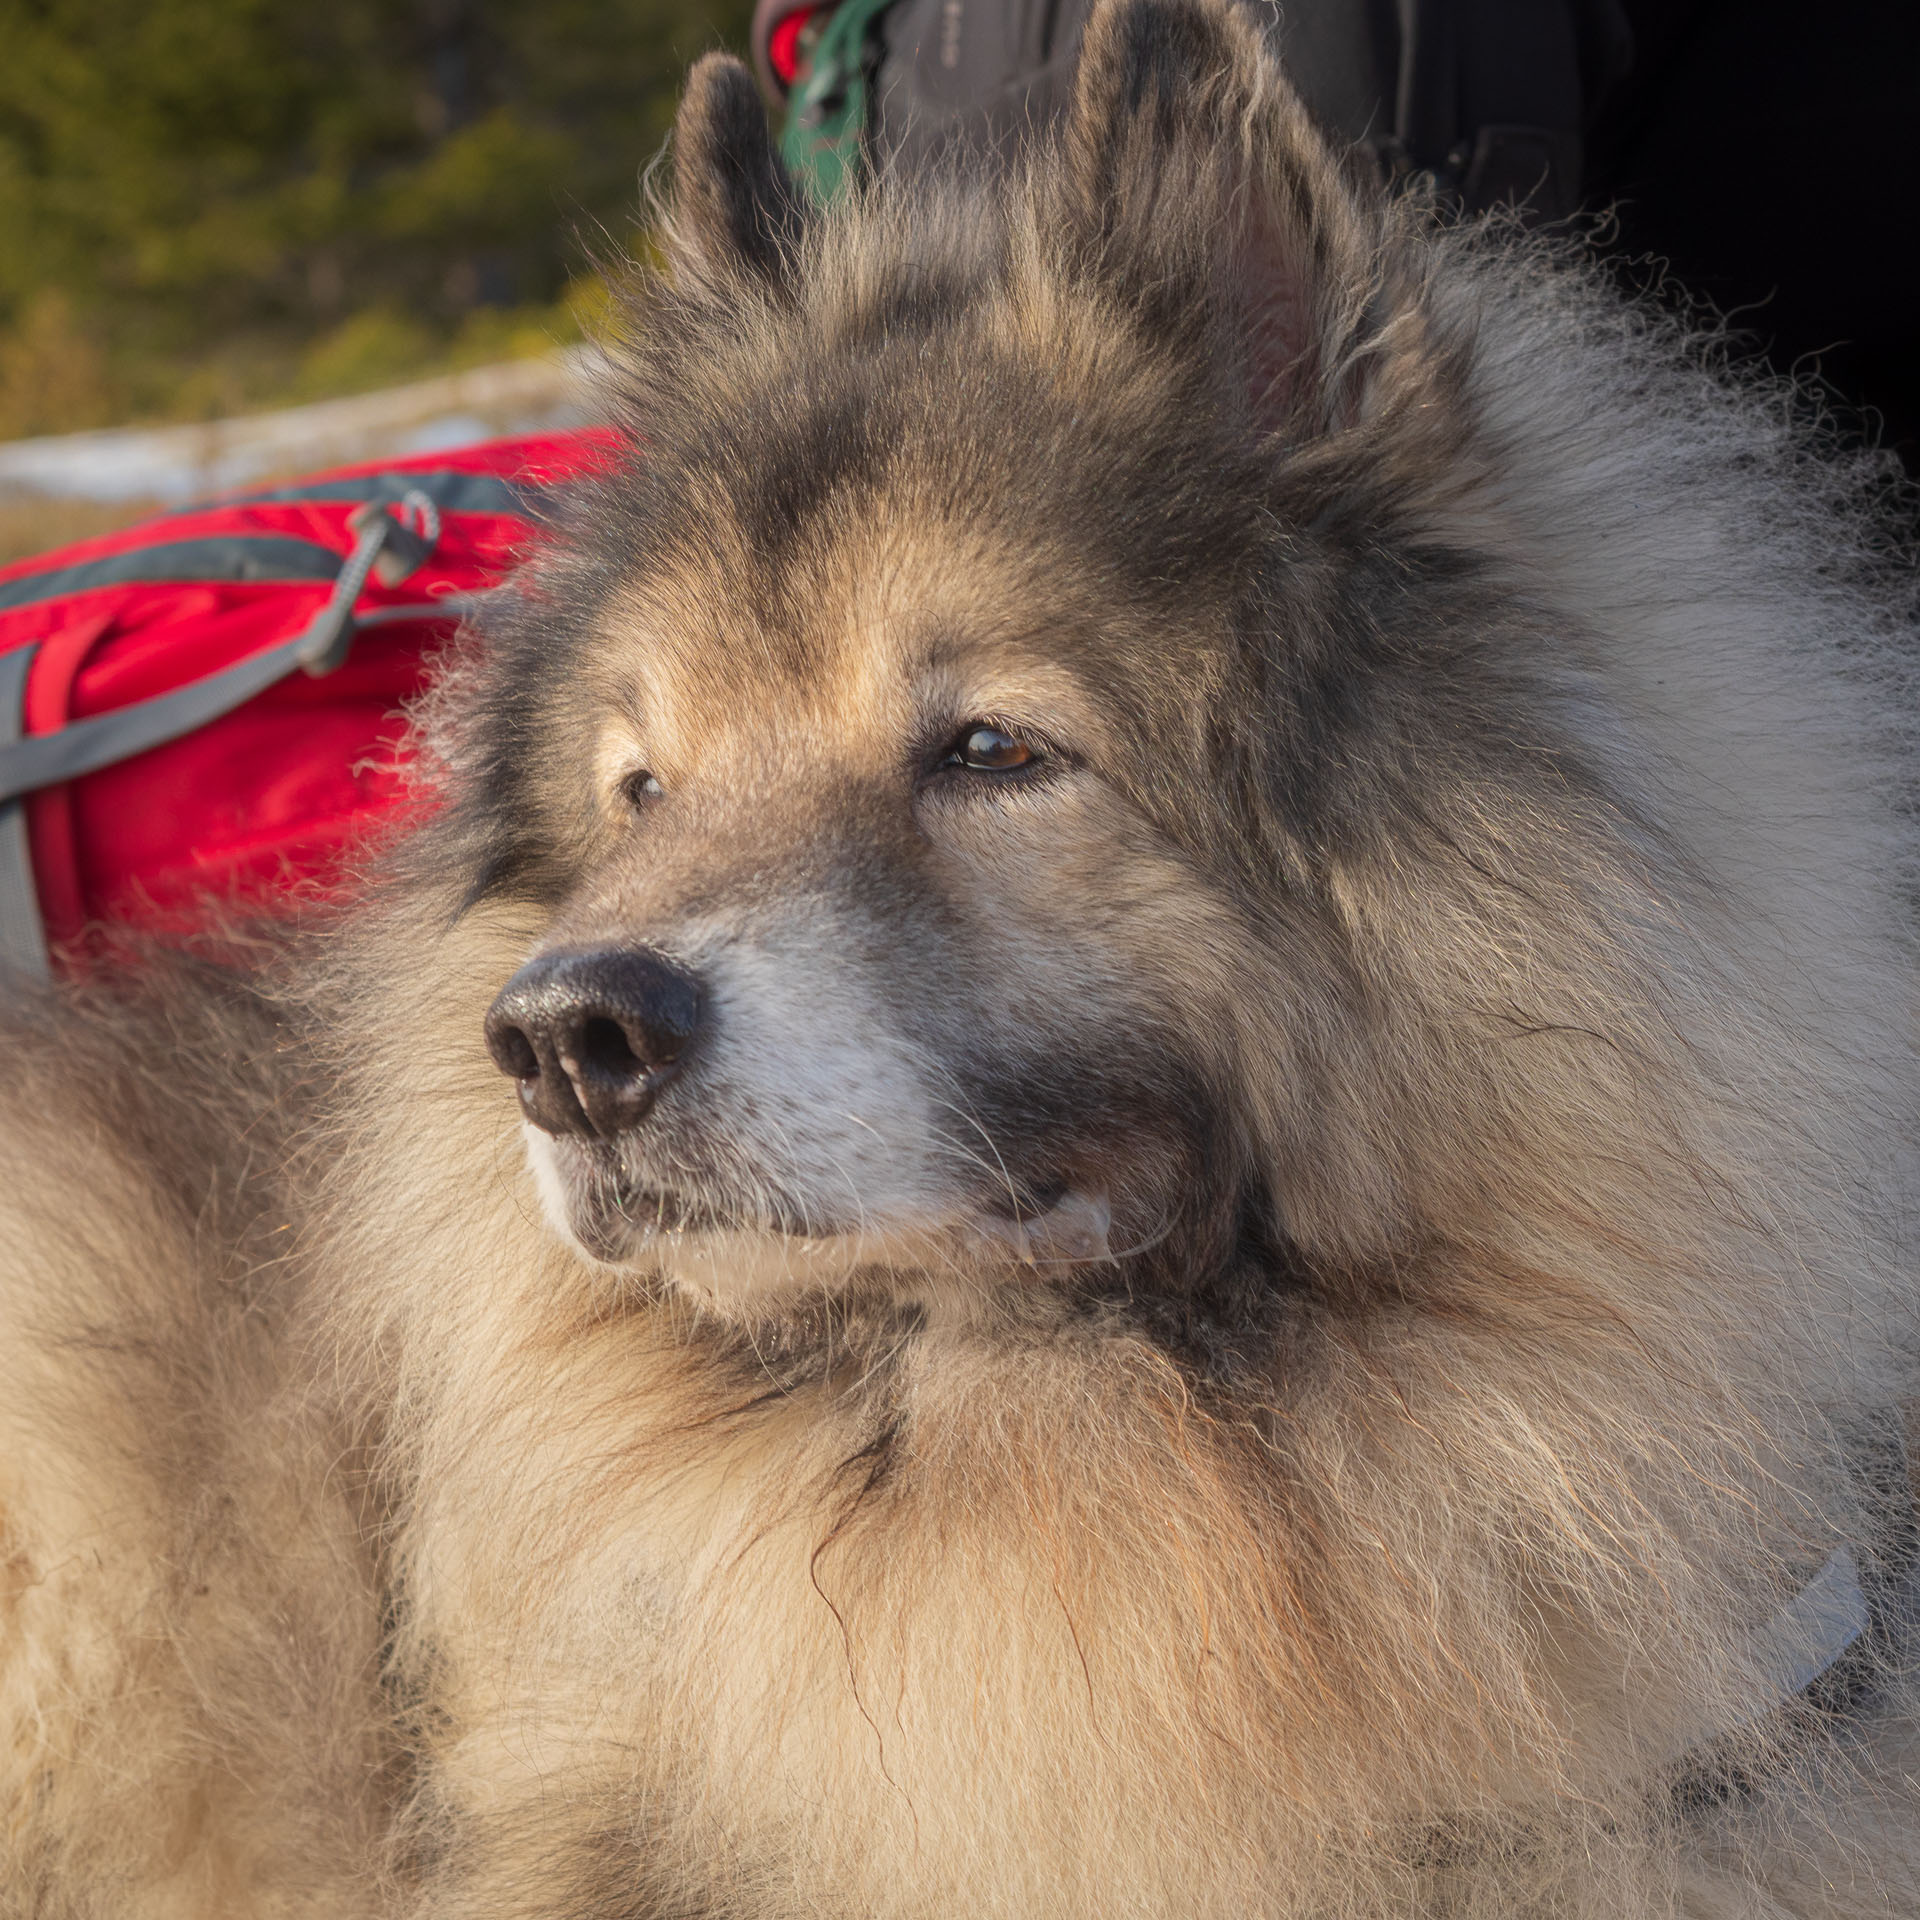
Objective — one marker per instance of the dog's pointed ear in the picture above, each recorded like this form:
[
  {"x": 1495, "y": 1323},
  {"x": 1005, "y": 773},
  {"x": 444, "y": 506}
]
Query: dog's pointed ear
[
  {"x": 1196, "y": 182},
  {"x": 733, "y": 210}
]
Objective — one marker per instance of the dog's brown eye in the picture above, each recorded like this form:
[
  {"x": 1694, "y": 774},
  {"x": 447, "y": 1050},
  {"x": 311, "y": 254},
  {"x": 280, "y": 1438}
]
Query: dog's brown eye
[
  {"x": 988, "y": 750},
  {"x": 639, "y": 788}
]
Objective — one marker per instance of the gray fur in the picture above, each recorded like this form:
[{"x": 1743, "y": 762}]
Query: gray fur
[{"x": 1254, "y": 1318}]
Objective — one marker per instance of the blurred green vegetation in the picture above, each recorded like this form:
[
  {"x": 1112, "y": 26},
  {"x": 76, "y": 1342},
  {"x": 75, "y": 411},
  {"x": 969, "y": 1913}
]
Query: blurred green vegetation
[{"x": 211, "y": 205}]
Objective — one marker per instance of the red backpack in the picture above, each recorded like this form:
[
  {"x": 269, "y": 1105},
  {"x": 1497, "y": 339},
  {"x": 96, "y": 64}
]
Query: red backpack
[{"x": 208, "y": 703}]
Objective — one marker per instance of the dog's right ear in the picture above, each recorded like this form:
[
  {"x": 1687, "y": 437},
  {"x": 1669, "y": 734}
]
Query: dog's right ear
[
  {"x": 1197, "y": 189},
  {"x": 732, "y": 212}
]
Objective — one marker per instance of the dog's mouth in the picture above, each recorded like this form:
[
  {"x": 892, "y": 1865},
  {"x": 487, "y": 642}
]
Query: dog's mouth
[
  {"x": 1055, "y": 1222},
  {"x": 623, "y": 1219},
  {"x": 634, "y": 1217},
  {"x": 619, "y": 1218}
]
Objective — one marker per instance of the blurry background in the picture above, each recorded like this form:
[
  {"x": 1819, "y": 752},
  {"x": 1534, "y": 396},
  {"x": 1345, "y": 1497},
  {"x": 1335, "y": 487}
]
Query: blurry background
[
  {"x": 213, "y": 207},
  {"x": 220, "y": 219}
]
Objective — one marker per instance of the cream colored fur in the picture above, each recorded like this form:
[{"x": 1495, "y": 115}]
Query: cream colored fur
[{"x": 371, "y": 1550}]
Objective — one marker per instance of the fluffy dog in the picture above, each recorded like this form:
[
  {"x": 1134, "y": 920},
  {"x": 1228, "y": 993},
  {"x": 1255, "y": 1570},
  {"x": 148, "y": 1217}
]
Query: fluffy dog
[{"x": 1139, "y": 1139}]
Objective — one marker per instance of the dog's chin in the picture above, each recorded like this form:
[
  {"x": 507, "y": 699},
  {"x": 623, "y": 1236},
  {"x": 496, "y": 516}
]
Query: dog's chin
[{"x": 742, "y": 1267}]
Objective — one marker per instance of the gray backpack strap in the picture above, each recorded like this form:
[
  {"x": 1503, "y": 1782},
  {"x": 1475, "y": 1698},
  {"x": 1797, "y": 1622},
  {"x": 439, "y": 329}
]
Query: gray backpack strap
[
  {"x": 383, "y": 545},
  {"x": 23, "y": 939}
]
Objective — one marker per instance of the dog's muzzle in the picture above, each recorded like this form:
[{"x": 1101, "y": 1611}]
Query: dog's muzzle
[{"x": 592, "y": 1037}]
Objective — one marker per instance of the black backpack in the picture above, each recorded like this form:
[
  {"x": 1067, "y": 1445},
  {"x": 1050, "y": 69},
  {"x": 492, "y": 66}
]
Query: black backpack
[{"x": 1488, "y": 97}]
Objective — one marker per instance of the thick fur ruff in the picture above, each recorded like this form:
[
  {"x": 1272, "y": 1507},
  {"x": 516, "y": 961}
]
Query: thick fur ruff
[{"x": 1251, "y": 1300}]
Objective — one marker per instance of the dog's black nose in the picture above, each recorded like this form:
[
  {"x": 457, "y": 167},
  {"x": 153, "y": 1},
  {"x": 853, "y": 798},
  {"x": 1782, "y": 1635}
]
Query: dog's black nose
[{"x": 592, "y": 1037}]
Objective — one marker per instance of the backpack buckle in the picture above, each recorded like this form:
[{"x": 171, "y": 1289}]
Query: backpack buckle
[{"x": 394, "y": 541}]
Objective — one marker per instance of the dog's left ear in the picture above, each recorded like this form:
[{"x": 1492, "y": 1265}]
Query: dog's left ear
[
  {"x": 732, "y": 211},
  {"x": 1198, "y": 189}
]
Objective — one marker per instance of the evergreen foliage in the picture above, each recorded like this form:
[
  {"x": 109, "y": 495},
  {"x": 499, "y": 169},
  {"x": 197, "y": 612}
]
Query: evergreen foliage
[{"x": 204, "y": 203}]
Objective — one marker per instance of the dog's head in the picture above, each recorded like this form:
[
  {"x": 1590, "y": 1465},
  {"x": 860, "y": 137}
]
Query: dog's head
[{"x": 1016, "y": 774}]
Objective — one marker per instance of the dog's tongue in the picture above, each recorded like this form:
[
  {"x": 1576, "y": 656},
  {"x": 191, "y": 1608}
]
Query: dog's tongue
[{"x": 1074, "y": 1229}]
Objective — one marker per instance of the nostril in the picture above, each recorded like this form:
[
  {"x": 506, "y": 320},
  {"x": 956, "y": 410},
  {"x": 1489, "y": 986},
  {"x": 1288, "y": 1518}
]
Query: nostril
[
  {"x": 513, "y": 1052},
  {"x": 606, "y": 1050}
]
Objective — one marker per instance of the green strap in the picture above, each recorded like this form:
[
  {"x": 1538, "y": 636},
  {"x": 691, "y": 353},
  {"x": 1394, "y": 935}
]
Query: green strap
[{"x": 827, "y": 109}]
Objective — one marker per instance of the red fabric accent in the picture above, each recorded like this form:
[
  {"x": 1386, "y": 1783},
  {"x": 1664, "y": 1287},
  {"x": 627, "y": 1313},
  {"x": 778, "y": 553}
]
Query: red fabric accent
[
  {"x": 783, "y": 44},
  {"x": 50, "y": 827},
  {"x": 268, "y": 800}
]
